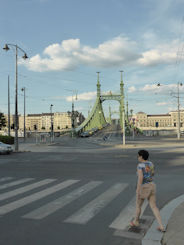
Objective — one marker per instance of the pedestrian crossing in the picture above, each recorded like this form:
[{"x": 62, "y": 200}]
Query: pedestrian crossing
[
  {"x": 58, "y": 197},
  {"x": 87, "y": 212}
]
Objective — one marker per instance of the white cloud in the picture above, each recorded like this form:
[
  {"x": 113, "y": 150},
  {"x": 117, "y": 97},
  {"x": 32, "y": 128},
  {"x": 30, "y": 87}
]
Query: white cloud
[
  {"x": 83, "y": 97},
  {"x": 162, "y": 54},
  {"x": 70, "y": 54},
  {"x": 149, "y": 88},
  {"x": 162, "y": 103},
  {"x": 131, "y": 89},
  {"x": 163, "y": 88},
  {"x": 117, "y": 52}
]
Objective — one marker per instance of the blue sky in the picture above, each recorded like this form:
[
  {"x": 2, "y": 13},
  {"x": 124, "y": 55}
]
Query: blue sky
[{"x": 68, "y": 41}]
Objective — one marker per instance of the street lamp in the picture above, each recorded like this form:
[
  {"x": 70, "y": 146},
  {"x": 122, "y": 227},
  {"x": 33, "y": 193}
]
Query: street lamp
[
  {"x": 73, "y": 111},
  {"x": 24, "y": 90},
  {"x": 8, "y": 106},
  {"x": 6, "y": 48},
  {"x": 73, "y": 114},
  {"x": 122, "y": 107},
  {"x": 51, "y": 128},
  {"x": 178, "y": 103},
  {"x": 178, "y": 100}
]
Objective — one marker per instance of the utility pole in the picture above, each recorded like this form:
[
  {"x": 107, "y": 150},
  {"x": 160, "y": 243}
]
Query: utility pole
[
  {"x": 24, "y": 89},
  {"x": 6, "y": 48},
  {"x": 73, "y": 119},
  {"x": 51, "y": 126},
  {"x": 16, "y": 102},
  {"x": 178, "y": 108},
  {"x": 73, "y": 112},
  {"x": 8, "y": 106},
  {"x": 178, "y": 100},
  {"x": 122, "y": 106},
  {"x": 74, "y": 92}
]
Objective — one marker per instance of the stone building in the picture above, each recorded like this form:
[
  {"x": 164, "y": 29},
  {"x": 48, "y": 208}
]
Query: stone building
[
  {"x": 167, "y": 121},
  {"x": 42, "y": 122}
]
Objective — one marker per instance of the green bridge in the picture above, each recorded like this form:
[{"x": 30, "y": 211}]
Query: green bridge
[{"x": 96, "y": 118}]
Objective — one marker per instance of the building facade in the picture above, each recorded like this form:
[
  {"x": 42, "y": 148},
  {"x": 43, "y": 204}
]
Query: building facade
[
  {"x": 167, "y": 121},
  {"x": 42, "y": 122}
]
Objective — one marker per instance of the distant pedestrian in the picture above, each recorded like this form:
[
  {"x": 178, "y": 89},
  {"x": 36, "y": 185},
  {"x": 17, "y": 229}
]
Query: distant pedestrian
[
  {"x": 105, "y": 138},
  {"x": 146, "y": 189}
]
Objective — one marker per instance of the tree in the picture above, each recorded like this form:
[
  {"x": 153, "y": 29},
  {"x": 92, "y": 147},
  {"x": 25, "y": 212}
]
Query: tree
[{"x": 2, "y": 120}]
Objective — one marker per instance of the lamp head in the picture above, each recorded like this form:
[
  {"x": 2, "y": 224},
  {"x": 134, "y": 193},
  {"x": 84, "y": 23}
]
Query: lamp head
[
  {"x": 6, "y": 47},
  {"x": 25, "y": 56}
]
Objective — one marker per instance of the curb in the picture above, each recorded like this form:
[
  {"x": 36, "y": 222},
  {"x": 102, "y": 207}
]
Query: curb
[{"x": 153, "y": 237}]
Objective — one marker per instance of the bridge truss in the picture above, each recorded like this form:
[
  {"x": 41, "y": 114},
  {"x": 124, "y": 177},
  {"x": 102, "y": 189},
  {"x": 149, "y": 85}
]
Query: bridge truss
[{"x": 96, "y": 118}]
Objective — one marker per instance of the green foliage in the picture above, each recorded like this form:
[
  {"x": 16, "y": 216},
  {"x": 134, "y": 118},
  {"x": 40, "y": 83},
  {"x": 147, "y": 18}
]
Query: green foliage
[
  {"x": 2, "y": 120},
  {"x": 7, "y": 139}
]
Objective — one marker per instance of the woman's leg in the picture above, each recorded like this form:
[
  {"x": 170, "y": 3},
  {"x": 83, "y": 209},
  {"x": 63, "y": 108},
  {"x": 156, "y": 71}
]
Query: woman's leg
[
  {"x": 139, "y": 203},
  {"x": 156, "y": 212}
]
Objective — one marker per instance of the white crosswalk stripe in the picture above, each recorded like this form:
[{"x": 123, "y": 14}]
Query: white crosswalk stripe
[
  {"x": 91, "y": 209},
  {"x": 59, "y": 203},
  {"x": 13, "y": 183},
  {"x": 125, "y": 216},
  {"x": 24, "y": 189},
  {"x": 34, "y": 197},
  {"x": 5, "y": 179}
]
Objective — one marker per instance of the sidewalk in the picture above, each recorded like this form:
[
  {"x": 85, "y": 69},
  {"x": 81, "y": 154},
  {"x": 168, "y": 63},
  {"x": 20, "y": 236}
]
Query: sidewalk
[
  {"x": 33, "y": 147},
  {"x": 175, "y": 228},
  {"x": 173, "y": 219}
]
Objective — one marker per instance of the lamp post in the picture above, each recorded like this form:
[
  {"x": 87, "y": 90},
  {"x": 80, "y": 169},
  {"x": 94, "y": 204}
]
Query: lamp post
[
  {"x": 6, "y": 47},
  {"x": 24, "y": 90},
  {"x": 122, "y": 107},
  {"x": 51, "y": 126},
  {"x": 8, "y": 106},
  {"x": 178, "y": 106},
  {"x": 178, "y": 100},
  {"x": 73, "y": 111}
]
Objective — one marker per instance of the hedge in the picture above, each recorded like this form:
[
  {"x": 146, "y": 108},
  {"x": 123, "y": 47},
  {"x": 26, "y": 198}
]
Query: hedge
[{"x": 7, "y": 139}]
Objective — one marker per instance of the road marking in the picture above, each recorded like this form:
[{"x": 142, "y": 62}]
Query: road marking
[
  {"x": 5, "y": 178},
  {"x": 59, "y": 203},
  {"x": 125, "y": 216},
  {"x": 17, "y": 182},
  {"x": 92, "y": 208},
  {"x": 34, "y": 197},
  {"x": 24, "y": 189}
]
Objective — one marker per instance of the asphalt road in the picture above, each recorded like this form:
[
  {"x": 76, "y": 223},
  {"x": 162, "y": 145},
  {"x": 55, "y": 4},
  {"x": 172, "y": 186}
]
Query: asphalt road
[{"x": 71, "y": 193}]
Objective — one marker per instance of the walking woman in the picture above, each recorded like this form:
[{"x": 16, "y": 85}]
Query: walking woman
[{"x": 146, "y": 189}]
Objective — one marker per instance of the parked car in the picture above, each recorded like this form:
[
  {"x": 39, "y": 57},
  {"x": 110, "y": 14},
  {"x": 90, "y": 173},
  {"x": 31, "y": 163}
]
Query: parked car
[
  {"x": 5, "y": 148},
  {"x": 85, "y": 134}
]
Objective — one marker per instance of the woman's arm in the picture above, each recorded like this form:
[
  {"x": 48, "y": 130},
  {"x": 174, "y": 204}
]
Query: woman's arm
[{"x": 139, "y": 181}]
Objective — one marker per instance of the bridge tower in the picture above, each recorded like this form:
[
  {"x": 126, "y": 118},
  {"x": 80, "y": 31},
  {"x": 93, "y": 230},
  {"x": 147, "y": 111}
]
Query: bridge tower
[{"x": 96, "y": 118}]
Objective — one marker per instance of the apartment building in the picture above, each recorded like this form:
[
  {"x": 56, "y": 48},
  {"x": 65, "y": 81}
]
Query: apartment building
[
  {"x": 170, "y": 120},
  {"x": 42, "y": 122}
]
